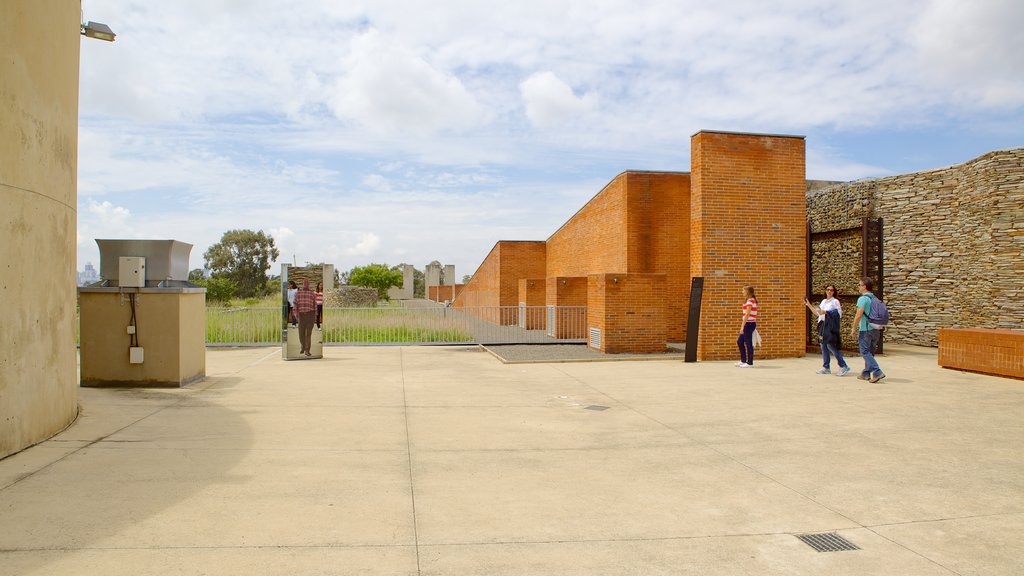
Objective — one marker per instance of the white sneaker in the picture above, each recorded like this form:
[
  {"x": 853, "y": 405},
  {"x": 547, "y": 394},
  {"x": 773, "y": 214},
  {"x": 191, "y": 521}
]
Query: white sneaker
[
  {"x": 823, "y": 371},
  {"x": 843, "y": 371},
  {"x": 742, "y": 365}
]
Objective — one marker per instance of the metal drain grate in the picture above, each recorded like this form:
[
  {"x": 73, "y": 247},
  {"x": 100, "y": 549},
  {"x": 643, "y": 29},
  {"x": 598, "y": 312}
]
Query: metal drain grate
[
  {"x": 595, "y": 407},
  {"x": 827, "y": 542}
]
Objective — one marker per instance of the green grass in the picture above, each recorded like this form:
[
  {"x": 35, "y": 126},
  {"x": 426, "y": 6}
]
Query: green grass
[
  {"x": 391, "y": 325},
  {"x": 387, "y": 325}
]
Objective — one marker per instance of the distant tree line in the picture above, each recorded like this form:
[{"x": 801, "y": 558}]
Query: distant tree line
[{"x": 238, "y": 267}]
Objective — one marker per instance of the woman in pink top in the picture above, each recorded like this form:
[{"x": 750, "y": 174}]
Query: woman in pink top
[{"x": 746, "y": 339}]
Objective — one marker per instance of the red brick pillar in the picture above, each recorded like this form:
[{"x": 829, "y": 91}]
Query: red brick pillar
[
  {"x": 629, "y": 311},
  {"x": 748, "y": 211}
]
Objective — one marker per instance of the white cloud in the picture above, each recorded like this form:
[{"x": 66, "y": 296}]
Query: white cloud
[
  {"x": 366, "y": 246},
  {"x": 108, "y": 215},
  {"x": 973, "y": 49},
  {"x": 550, "y": 102},
  {"x": 826, "y": 164},
  {"x": 390, "y": 88},
  {"x": 377, "y": 182},
  {"x": 281, "y": 234}
]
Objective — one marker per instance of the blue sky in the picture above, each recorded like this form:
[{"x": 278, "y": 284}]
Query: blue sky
[{"x": 400, "y": 131}]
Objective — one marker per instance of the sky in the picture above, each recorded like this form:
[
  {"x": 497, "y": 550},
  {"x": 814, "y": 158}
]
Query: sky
[{"x": 396, "y": 131}]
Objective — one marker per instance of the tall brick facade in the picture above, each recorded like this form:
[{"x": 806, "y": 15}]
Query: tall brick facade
[
  {"x": 748, "y": 227},
  {"x": 629, "y": 253}
]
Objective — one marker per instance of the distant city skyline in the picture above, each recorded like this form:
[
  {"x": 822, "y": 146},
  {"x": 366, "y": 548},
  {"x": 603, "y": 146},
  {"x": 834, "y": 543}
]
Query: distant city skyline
[
  {"x": 394, "y": 132},
  {"x": 88, "y": 275}
]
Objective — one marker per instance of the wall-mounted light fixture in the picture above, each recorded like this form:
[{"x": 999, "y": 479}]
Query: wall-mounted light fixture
[{"x": 98, "y": 31}]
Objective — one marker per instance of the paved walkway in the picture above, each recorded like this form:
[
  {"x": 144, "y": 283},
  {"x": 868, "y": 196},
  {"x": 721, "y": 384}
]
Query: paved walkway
[{"x": 445, "y": 461}]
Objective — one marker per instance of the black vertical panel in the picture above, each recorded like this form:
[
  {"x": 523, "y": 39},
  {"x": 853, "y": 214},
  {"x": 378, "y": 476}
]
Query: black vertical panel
[
  {"x": 808, "y": 320},
  {"x": 881, "y": 276},
  {"x": 693, "y": 320}
]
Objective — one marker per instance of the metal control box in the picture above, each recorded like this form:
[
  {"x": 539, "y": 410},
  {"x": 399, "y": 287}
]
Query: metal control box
[{"x": 131, "y": 272}]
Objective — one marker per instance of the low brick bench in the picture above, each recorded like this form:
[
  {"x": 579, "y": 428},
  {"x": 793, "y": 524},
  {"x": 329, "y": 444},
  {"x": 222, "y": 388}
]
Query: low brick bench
[{"x": 999, "y": 352}]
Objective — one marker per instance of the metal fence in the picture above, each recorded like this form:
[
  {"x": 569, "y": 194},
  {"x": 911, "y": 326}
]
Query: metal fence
[
  {"x": 408, "y": 326},
  {"x": 240, "y": 326}
]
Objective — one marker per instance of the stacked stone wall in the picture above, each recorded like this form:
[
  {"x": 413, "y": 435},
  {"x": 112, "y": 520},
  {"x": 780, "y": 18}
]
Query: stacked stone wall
[
  {"x": 953, "y": 244},
  {"x": 351, "y": 297}
]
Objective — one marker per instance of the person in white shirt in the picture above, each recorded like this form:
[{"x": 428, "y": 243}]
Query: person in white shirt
[
  {"x": 293, "y": 289},
  {"x": 828, "y": 331}
]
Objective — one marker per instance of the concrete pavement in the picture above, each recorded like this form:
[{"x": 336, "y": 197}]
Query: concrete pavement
[{"x": 445, "y": 461}]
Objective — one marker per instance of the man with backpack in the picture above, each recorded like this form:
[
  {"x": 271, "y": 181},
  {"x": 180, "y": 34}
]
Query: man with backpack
[{"x": 867, "y": 326}]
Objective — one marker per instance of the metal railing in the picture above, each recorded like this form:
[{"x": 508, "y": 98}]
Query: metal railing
[{"x": 408, "y": 326}]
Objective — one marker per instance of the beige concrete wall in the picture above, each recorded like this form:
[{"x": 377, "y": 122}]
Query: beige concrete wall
[
  {"x": 192, "y": 336},
  {"x": 170, "y": 330},
  {"x": 39, "y": 46}
]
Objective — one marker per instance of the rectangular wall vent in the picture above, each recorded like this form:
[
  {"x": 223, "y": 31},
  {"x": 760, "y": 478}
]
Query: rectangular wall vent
[{"x": 595, "y": 338}]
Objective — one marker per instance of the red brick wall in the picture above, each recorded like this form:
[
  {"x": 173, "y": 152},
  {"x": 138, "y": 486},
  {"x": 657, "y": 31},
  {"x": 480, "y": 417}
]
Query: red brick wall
[
  {"x": 658, "y": 239},
  {"x": 531, "y": 294},
  {"x": 532, "y": 291},
  {"x": 568, "y": 291},
  {"x": 990, "y": 351},
  {"x": 748, "y": 226},
  {"x": 592, "y": 240},
  {"x": 446, "y": 293},
  {"x": 484, "y": 288},
  {"x": 639, "y": 223},
  {"x": 519, "y": 260},
  {"x": 629, "y": 309},
  {"x": 496, "y": 281}
]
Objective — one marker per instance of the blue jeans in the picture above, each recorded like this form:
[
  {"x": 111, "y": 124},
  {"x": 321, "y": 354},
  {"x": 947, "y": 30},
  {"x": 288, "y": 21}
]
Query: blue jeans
[
  {"x": 825, "y": 358},
  {"x": 867, "y": 341},
  {"x": 746, "y": 343}
]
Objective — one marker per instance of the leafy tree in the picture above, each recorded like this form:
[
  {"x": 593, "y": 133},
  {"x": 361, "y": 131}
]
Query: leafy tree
[
  {"x": 243, "y": 256},
  {"x": 379, "y": 276},
  {"x": 467, "y": 278},
  {"x": 274, "y": 285},
  {"x": 196, "y": 275},
  {"x": 218, "y": 290}
]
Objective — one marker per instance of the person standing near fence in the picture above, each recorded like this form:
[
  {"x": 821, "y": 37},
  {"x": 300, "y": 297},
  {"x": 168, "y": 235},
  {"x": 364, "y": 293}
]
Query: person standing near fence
[
  {"x": 305, "y": 306},
  {"x": 319, "y": 303},
  {"x": 292, "y": 290},
  {"x": 746, "y": 339}
]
